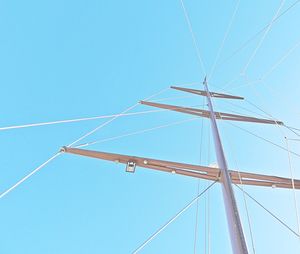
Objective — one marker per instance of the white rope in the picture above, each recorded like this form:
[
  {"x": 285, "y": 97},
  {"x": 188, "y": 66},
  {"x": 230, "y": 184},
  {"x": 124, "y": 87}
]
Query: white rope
[
  {"x": 175, "y": 97},
  {"x": 262, "y": 138},
  {"x": 283, "y": 57},
  {"x": 172, "y": 219},
  {"x": 207, "y": 204},
  {"x": 268, "y": 72},
  {"x": 249, "y": 220},
  {"x": 289, "y": 160},
  {"x": 193, "y": 37},
  {"x": 198, "y": 186},
  {"x": 224, "y": 39},
  {"x": 258, "y": 33},
  {"x": 275, "y": 65},
  {"x": 196, "y": 220},
  {"x": 187, "y": 85},
  {"x": 102, "y": 125},
  {"x": 290, "y": 164},
  {"x": 29, "y": 175},
  {"x": 75, "y": 120},
  {"x": 268, "y": 211},
  {"x": 243, "y": 108},
  {"x": 54, "y": 156},
  {"x": 271, "y": 117},
  {"x": 230, "y": 82},
  {"x": 242, "y": 187},
  {"x": 114, "y": 118},
  {"x": 259, "y": 108},
  {"x": 135, "y": 133},
  {"x": 292, "y": 171},
  {"x": 292, "y": 130},
  {"x": 279, "y": 95},
  {"x": 208, "y": 222},
  {"x": 263, "y": 37},
  {"x": 247, "y": 83}
]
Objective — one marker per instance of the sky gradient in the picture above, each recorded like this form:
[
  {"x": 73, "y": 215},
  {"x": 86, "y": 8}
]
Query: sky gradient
[{"x": 68, "y": 59}]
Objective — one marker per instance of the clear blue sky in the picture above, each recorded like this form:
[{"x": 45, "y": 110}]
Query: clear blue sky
[{"x": 68, "y": 59}]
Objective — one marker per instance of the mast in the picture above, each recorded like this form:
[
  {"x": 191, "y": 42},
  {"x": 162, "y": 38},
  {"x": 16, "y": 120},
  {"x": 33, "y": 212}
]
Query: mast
[
  {"x": 221, "y": 174},
  {"x": 237, "y": 238}
]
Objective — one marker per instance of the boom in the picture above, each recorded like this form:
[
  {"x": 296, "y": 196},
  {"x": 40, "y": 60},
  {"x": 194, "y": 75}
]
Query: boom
[
  {"x": 202, "y": 172},
  {"x": 220, "y": 174}
]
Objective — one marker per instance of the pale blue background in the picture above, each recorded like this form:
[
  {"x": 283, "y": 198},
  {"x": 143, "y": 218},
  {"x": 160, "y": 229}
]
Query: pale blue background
[{"x": 67, "y": 59}]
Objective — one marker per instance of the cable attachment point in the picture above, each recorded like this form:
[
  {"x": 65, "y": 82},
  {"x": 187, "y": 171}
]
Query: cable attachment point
[{"x": 63, "y": 149}]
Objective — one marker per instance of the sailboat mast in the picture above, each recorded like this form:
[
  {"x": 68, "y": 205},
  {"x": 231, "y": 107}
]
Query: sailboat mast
[{"x": 237, "y": 238}]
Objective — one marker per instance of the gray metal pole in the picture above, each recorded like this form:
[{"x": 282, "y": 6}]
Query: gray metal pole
[{"x": 237, "y": 238}]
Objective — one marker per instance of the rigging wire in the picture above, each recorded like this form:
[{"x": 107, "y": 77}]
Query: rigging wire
[
  {"x": 262, "y": 138},
  {"x": 230, "y": 82},
  {"x": 242, "y": 186},
  {"x": 252, "y": 56},
  {"x": 244, "y": 198},
  {"x": 263, "y": 111},
  {"x": 258, "y": 33},
  {"x": 190, "y": 84},
  {"x": 187, "y": 18},
  {"x": 58, "y": 153},
  {"x": 289, "y": 161},
  {"x": 268, "y": 72},
  {"x": 280, "y": 60},
  {"x": 207, "y": 204},
  {"x": 75, "y": 120},
  {"x": 244, "y": 108},
  {"x": 247, "y": 83},
  {"x": 268, "y": 211},
  {"x": 292, "y": 130},
  {"x": 276, "y": 93},
  {"x": 196, "y": 220},
  {"x": 102, "y": 125},
  {"x": 290, "y": 164},
  {"x": 114, "y": 118},
  {"x": 135, "y": 133},
  {"x": 198, "y": 186},
  {"x": 292, "y": 172},
  {"x": 172, "y": 219},
  {"x": 262, "y": 38},
  {"x": 288, "y": 127},
  {"x": 204, "y": 73},
  {"x": 29, "y": 175},
  {"x": 175, "y": 97},
  {"x": 224, "y": 39},
  {"x": 294, "y": 139},
  {"x": 93, "y": 117}
]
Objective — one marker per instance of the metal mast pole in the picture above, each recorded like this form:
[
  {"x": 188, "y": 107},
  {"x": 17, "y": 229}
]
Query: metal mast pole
[{"x": 237, "y": 238}]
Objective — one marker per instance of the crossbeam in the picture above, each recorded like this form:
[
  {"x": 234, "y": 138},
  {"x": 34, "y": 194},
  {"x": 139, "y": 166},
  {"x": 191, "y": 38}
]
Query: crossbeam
[
  {"x": 204, "y": 93},
  {"x": 196, "y": 171},
  {"x": 206, "y": 114}
]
